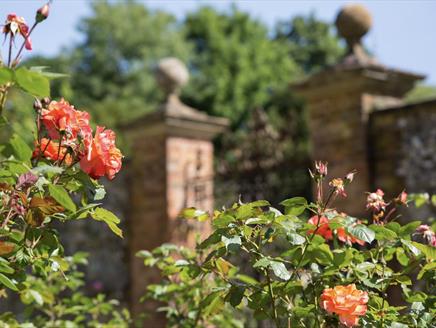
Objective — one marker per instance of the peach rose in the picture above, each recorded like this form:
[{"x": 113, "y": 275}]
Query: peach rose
[
  {"x": 347, "y": 302},
  {"x": 61, "y": 117},
  {"x": 103, "y": 158},
  {"x": 50, "y": 149},
  {"x": 323, "y": 228}
]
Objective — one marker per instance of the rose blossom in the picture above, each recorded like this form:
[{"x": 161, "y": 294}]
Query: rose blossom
[
  {"x": 347, "y": 302},
  {"x": 50, "y": 150},
  {"x": 338, "y": 185},
  {"x": 375, "y": 201},
  {"x": 62, "y": 118},
  {"x": 323, "y": 227},
  {"x": 103, "y": 157},
  {"x": 15, "y": 24},
  {"x": 427, "y": 233}
]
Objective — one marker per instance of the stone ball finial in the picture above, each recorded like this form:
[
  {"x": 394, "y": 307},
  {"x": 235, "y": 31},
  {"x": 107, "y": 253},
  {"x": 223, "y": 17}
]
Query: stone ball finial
[
  {"x": 171, "y": 75},
  {"x": 353, "y": 22}
]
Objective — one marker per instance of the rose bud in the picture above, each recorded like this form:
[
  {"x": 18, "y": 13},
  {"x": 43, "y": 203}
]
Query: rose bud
[
  {"x": 42, "y": 13},
  {"x": 402, "y": 198},
  {"x": 37, "y": 106}
]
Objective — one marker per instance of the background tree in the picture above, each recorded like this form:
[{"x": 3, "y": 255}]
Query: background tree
[
  {"x": 311, "y": 42},
  {"x": 112, "y": 67},
  {"x": 236, "y": 64}
]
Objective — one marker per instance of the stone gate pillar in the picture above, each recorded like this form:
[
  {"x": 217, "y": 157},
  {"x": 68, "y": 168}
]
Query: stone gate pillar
[
  {"x": 339, "y": 100},
  {"x": 171, "y": 168}
]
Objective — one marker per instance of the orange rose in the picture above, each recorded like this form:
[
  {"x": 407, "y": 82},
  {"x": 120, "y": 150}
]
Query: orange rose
[
  {"x": 60, "y": 116},
  {"x": 347, "y": 302},
  {"x": 323, "y": 228},
  {"x": 345, "y": 237},
  {"x": 103, "y": 158},
  {"x": 50, "y": 150}
]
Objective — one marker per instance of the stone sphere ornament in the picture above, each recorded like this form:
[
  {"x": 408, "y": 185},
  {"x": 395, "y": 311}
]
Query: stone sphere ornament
[
  {"x": 171, "y": 75},
  {"x": 353, "y": 22}
]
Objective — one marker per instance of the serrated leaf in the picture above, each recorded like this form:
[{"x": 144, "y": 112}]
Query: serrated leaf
[
  {"x": 62, "y": 197},
  {"x": 428, "y": 251},
  {"x": 32, "y": 82},
  {"x": 233, "y": 243},
  {"x": 362, "y": 232},
  {"x": 295, "y": 205},
  {"x": 382, "y": 233},
  {"x": 262, "y": 263},
  {"x": 280, "y": 270},
  {"x": 101, "y": 214}
]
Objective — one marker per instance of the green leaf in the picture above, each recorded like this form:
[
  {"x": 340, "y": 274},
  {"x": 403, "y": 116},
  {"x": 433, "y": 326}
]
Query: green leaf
[
  {"x": 100, "y": 193},
  {"x": 382, "y": 233},
  {"x": 280, "y": 270},
  {"x": 222, "y": 221},
  {"x": 233, "y": 243},
  {"x": 3, "y": 121},
  {"x": 32, "y": 82},
  {"x": 362, "y": 232},
  {"x": 61, "y": 196},
  {"x": 428, "y": 251},
  {"x": 295, "y": 239},
  {"x": 193, "y": 213},
  {"x": 101, "y": 214},
  {"x": 412, "y": 248},
  {"x": 409, "y": 228},
  {"x": 402, "y": 257},
  {"x": 294, "y": 206},
  {"x": 235, "y": 295},
  {"x": 5, "y": 75},
  {"x": 36, "y": 296},
  {"x": 20, "y": 149},
  {"x": 7, "y": 282},
  {"x": 321, "y": 254},
  {"x": 428, "y": 267},
  {"x": 264, "y": 262}
]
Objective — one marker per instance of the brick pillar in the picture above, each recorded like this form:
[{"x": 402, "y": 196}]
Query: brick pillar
[
  {"x": 171, "y": 168},
  {"x": 339, "y": 101}
]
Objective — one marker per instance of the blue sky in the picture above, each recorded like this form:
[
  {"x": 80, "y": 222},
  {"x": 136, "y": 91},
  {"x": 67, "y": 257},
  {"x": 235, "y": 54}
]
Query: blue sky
[{"x": 403, "y": 35}]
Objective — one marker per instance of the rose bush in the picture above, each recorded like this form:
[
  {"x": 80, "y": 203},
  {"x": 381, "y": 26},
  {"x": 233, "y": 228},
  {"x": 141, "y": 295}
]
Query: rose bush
[
  {"x": 57, "y": 180},
  {"x": 308, "y": 265}
]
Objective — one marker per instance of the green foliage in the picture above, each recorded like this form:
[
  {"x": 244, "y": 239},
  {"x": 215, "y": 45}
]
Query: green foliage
[
  {"x": 311, "y": 43},
  {"x": 292, "y": 262},
  {"x": 53, "y": 301},
  {"x": 236, "y": 63},
  {"x": 36, "y": 190},
  {"x": 122, "y": 43}
]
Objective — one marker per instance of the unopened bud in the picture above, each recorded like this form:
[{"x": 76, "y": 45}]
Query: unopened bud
[
  {"x": 42, "y": 13},
  {"x": 45, "y": 101},
  {"x": 37, "y": 105},
  {"x": 350, "y": 177},
  {"x": 401, "y": 198}
]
